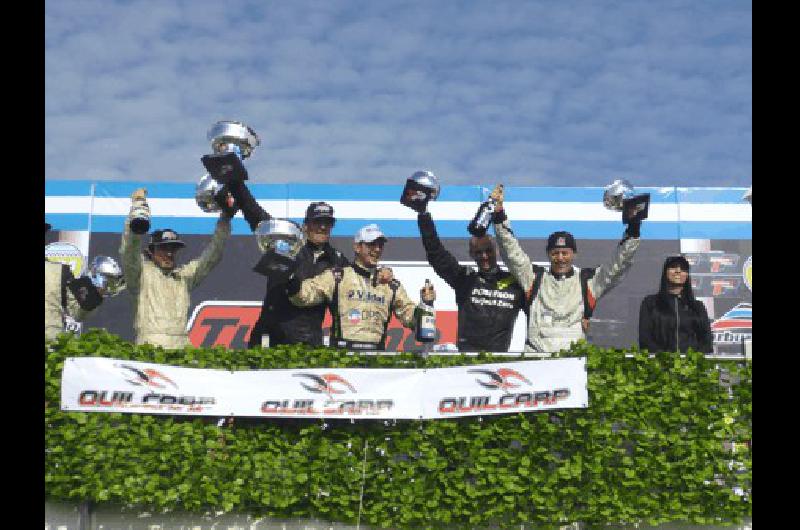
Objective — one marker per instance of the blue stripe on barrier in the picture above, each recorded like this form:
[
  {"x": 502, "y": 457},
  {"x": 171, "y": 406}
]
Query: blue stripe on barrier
[
  {"x": 655, "y": 230},
  {"x": 68, "y": 188},
  {"x": 592, "y": 195},
  {"x": 68, "y": 221},
  {"x": 712, "y": 195},
  {"x": 372, "y": 192}
]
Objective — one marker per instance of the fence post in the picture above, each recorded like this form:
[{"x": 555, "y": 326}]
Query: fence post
[{"x": 85, "y": 516}]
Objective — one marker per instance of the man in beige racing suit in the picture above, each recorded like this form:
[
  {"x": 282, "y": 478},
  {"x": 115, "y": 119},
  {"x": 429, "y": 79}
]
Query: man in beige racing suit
[
  {"x": 65, "y": 297},
  {"x": 562, "y": 297},
  {"x": 159, "y": 289},
  {"x": 361, "y": 297}
]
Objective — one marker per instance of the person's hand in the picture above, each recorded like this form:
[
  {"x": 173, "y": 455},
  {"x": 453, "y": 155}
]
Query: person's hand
[
  {"x": 385, "y": 275},
  {"x": 139, "y": 194},
  {"x": 497, "y": 195},
  {"x": 227, "y": 207},
  {"x": 428, "y": 293},
  {"x": 585, "y": 325}
]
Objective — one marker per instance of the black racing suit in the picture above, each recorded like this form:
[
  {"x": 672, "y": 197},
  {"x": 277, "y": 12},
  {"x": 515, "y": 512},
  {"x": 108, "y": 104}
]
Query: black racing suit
[
  {"x": 283, "y": 321},
  {"x": 488, "y": 302}
]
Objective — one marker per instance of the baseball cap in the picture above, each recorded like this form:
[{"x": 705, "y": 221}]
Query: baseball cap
[
  {"x": 561, "y": 239},
  {"x": 166, "y": 236},
  {"x": 370, "y": 233},
  {"x": 319, "y": 210}
]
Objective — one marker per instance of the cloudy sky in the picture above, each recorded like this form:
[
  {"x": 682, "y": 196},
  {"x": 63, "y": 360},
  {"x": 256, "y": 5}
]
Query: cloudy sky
[{"x": 527, "y": 92}]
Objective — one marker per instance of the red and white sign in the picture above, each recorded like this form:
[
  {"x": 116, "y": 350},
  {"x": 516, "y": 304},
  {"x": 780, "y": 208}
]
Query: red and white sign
[{"x": 94, "y": 384}]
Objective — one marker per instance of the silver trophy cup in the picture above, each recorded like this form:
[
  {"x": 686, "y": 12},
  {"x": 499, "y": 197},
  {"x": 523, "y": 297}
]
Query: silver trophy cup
[
  {"x": 616, "y": 193},
  {"x": 231, "y": 142},
  {"x": 281, "y": 236},
  {"x": 106, "y": 275},
  {"x": 619, "y": 196}
]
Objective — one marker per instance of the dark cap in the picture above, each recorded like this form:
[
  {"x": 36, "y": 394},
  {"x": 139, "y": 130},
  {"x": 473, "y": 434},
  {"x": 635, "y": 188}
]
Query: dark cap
[
  {"x": 166, "y": 236},
  {"x": 561, "y": 240},
  {"x": 47, "y": 226},
  {"x": 677, "y": 260},
  {"x": 319, "y": 210}
]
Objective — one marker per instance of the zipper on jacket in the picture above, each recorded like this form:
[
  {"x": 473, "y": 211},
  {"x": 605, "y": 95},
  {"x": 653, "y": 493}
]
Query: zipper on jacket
[{"x": 677, "y": 326}]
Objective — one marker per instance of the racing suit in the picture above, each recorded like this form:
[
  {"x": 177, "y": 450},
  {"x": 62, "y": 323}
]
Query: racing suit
[
  {"x": 65, "y": 297},
  {"x": 161, "y": 298},
  {"x": 360, "y": 306},
  {"x": 557, "y": 302},
  {"x": 488, "y": 302},
  {"x": 284, "y": 322}
]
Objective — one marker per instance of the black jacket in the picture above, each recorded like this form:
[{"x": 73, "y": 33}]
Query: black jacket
[
  {"x": 488, "y": 303},
  {"x": 283, "y": 321},
  {"x": 659, "y": 316}
]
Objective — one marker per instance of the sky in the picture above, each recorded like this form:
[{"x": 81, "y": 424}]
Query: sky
[{"x": 524, "y": 92}]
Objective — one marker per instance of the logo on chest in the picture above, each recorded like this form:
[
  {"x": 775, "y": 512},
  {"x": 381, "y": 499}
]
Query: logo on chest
[{"x": 366, "y": 296}]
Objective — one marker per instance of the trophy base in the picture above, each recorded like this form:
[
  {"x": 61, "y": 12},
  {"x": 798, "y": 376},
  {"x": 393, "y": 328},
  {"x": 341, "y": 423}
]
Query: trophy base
[
  {"x": 636, "y": 208},
  {"x": 225, "y": 167}
]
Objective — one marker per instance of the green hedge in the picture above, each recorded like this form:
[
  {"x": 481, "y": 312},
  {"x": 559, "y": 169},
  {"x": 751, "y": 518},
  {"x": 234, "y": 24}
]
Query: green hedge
[{"x": 652, "y": 447}]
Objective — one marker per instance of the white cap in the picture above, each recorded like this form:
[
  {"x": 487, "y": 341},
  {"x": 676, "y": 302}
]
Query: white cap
[{"x": 370, "y": 233}]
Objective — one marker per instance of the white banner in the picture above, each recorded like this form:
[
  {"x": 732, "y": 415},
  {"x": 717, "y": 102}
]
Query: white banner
[{"x": 93, "y": 384}]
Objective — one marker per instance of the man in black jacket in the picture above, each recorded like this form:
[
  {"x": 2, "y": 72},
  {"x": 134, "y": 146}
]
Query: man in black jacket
[
  {"x": 488, "y": 299},
  {"x": 280, "y": 321}
]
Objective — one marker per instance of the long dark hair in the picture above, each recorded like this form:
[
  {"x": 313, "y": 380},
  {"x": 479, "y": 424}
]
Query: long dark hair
[{"x": 687, "y": 294}]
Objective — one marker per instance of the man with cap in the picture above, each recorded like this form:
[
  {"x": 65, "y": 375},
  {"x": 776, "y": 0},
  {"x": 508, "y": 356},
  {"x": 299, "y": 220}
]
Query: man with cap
[
  {"x": 65, "y": 296},
  {"x": 562, "y": 298},
  {"x": 361, "y": 298},
  {"x": 488, "y": 299},
  {"x": 159, "y": 288},
  {"x": 280, "y": 321}
]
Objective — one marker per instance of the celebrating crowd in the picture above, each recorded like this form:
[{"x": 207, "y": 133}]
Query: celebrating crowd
[{"x": 304, "y": 274}]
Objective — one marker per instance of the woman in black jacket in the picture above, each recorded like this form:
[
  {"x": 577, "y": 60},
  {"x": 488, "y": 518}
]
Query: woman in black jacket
[{"x": 672, "y": 320}]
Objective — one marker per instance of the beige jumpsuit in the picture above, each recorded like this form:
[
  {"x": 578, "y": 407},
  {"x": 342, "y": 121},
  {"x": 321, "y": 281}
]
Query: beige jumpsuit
[
  {"x": 363, "y": 309},
  {"x": 161, "y": 299}
]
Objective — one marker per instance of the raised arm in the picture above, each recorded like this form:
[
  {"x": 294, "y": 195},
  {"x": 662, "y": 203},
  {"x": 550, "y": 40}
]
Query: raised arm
[
  {"x": 443, "y": 262},
  {"x": 252, "y": 211},
  {"x": 196, "y": 270},
  {"x": 607, "y": 276},
  {"x": 130, "y": 250},
  {"x": 518, "y": 262}
]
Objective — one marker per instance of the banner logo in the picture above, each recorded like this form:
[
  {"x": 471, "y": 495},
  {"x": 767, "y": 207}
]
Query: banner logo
[
  {"x": 747, "y": 273},
  {"x": 500, "y": 378},
  {"x": 324, "y": 384},
  {"x": 148, "y": 377},
  {"x": 733, "y": 328}
]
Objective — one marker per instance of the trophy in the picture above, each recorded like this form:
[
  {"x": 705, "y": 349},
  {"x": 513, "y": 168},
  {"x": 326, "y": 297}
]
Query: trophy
[
  {"x": 421, "y": 187},
  {"x": 232, "y": 142},
  {"x": 281, "y": 240},
  {"x": 483, "y": 217},
  {"x": 618, "y": 196},
  {"x": 106, "y": 275},
  {"x": 209, "y": 194},
  {"x": 140, "y": 216}
]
